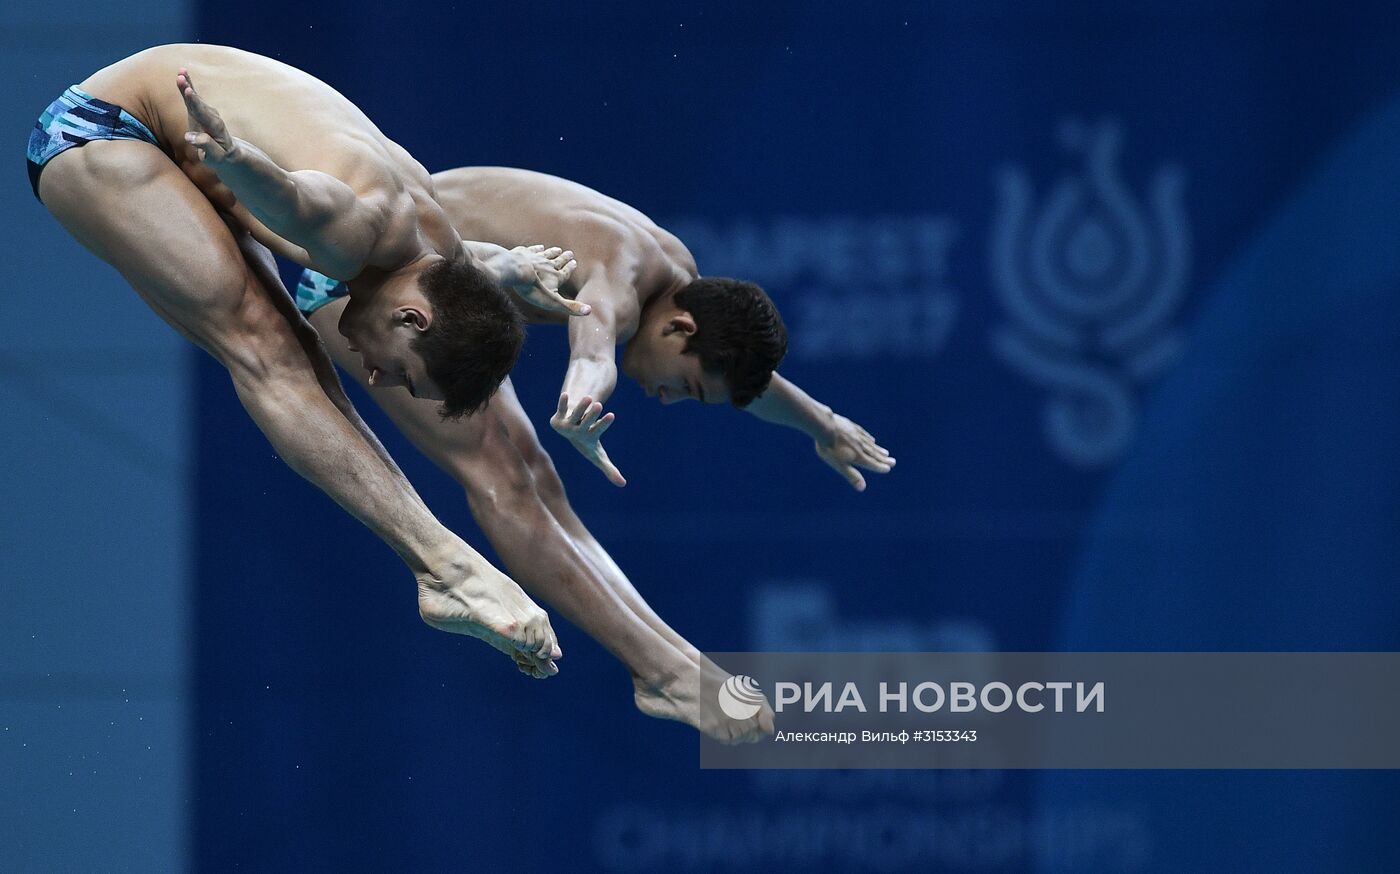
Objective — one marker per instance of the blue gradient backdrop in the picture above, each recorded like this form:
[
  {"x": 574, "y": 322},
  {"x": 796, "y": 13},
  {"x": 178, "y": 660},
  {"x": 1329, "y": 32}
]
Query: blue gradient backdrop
[{"x": 964, "y": 207}]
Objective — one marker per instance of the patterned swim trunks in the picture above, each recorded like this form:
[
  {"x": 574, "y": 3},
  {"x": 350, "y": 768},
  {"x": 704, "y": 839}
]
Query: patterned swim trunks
[
  {"x": 315, "y": 291},
  {"x": 76, "y": 119}
]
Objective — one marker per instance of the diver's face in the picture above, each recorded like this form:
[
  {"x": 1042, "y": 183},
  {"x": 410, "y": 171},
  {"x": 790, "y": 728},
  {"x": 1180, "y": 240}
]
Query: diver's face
[
  {"x": 667, "y": 373},
  {"x": 383, "y": 336}
]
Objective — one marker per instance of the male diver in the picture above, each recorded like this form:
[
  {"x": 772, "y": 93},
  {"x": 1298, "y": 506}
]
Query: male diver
[
  {"x": 714, "y": 340},
  {"x": 186, "y": 202}
]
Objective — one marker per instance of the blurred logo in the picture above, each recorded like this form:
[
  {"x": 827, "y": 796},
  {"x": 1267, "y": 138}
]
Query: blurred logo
[
  {"x": 1090, "y": 283},
  {"x": 740, "y": 697},
  {"x": 853, "y": 288}
]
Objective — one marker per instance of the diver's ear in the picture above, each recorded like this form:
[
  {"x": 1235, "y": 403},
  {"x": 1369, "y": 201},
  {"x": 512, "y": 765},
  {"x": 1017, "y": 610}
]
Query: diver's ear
[
  {"x": 682, "y": 322},
  {"x": 412, "y": 317}
]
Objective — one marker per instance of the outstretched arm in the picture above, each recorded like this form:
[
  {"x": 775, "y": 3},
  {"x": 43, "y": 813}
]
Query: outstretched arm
[
  {"x": 592, "y": 373},
  {"x": 840, "y": 442},
  {"x": 312, "y": 210}
]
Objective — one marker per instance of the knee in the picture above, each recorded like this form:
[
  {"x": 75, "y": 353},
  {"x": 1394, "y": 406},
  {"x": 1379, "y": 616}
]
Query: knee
[
  {"x": 260, "y": 343},
  {"x": 540, "y": 466},
  {"x": 499, "y": 480}
]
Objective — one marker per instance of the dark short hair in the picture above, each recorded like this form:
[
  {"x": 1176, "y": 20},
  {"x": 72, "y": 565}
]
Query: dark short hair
[
  {"x": 474, "y": 339},
  {"x": 738, "y": 333}
]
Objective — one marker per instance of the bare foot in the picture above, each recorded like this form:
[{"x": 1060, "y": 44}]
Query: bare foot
[
  {"x": 679, "y": 698},
  {"x": 486, "y": 604}
]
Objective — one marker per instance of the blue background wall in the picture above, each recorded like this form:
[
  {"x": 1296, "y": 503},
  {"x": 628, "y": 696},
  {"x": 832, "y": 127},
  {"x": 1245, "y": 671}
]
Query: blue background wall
[
  {"x": 1115, "y": 282},
  {"x": 929, "y": 191},
  {"x": 96, "y": 473}
]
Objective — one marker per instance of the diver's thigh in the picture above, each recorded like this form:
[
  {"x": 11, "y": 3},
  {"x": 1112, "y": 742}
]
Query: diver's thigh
[{"x": 131, "y": 206}]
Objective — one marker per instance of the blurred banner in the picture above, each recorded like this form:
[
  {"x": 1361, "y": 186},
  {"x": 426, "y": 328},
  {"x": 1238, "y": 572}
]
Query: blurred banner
[{"x": 1115, "y": 282}]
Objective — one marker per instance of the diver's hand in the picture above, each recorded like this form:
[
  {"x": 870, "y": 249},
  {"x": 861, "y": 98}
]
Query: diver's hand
[
  {"x": 847, "y": 446},
  {"x": 584, "y": 427},
  {"x": 536, "y": 273},
  {"x": 208, "y": 133}
]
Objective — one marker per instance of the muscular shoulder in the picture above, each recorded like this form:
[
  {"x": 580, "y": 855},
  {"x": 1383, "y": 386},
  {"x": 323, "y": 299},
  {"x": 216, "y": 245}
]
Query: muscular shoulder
[
  {"x": 637, "y": 259},
  {"x": 511, "y": 207}
]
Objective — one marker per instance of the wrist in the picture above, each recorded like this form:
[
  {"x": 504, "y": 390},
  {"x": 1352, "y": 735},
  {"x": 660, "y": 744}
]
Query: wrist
[
  {"x": 509, "y": 267},
  {"x": 822, "y": 425},
  {"x": 230, "y": 157},
  {"x": 491, "y": 265}
]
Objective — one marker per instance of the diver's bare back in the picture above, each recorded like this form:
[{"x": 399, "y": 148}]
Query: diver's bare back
[
  {"x": 299, "y": 121},
  {"x": 512, "y": 207}
]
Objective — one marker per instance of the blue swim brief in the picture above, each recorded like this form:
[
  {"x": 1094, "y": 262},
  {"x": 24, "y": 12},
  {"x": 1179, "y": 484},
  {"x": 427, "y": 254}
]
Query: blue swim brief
[
  {"x": 76, "y": 119},
  {"x": 315, "y": 291}
]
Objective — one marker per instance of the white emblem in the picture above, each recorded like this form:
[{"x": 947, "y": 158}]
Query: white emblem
[
  {"x": 740, "y": 697},
  {"x": 1090, "y": 284}
]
